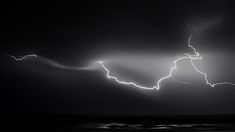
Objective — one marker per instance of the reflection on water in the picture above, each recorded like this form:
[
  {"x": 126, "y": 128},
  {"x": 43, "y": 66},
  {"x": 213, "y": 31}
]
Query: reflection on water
[{"x": 160, "y": 127}]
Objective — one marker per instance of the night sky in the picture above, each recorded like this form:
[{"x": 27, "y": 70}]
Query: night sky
[{"x": 139, "y": 39}]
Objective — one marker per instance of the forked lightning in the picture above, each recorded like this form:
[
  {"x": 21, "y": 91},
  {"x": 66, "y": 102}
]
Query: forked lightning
[{"x": 195, "y": 56}]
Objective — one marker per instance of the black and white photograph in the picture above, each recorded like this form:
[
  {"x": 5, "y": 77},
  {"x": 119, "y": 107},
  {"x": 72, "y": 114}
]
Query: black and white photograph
[{"x": 118, "y": 66}]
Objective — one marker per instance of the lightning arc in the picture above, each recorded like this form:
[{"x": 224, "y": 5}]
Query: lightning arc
[
  {"x": 196, "y": 56},
  {"x": 23, "y": 57}
]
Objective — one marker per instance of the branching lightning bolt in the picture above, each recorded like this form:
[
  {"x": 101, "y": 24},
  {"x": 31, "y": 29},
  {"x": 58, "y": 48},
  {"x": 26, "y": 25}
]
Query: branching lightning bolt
[
  {"x": 195, "y": 56},
  {"x": 198, "y": 57}
]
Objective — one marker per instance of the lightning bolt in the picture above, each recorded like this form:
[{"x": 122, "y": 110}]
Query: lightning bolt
[
  {"x": 22, "y": 58},
  {"x": 195, "y": 56},
  {"x": 192, "y": 58}
]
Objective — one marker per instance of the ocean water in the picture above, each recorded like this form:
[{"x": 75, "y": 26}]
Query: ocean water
[
  {"x": 73, "y": 123},
  {"x": 120, "y": 127}
]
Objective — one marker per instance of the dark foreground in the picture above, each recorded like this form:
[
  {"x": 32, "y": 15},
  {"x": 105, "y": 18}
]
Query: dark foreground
[{"x": 58, "y": 122}]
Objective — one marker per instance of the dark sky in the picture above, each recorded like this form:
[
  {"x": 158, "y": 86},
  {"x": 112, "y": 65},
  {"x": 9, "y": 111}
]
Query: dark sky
[{"x": 75, "y": 33}]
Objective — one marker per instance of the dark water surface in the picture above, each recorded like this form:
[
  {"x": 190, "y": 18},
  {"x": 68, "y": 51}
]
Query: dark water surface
[
  {"x": 157, "y": 127},
  {"x": 74, "y": 123}
]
